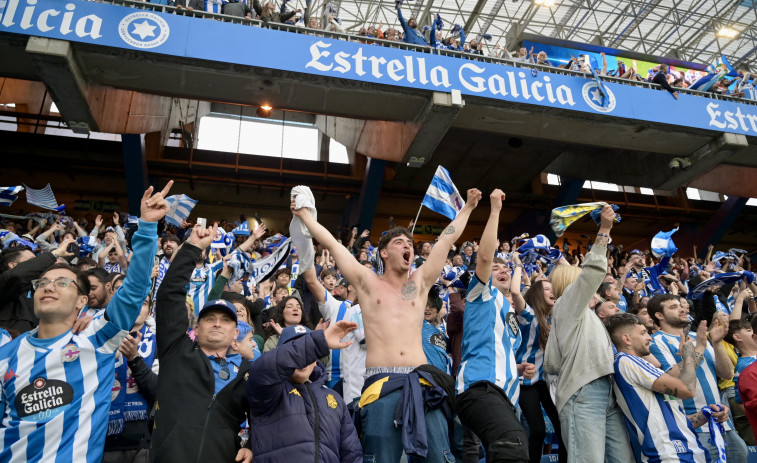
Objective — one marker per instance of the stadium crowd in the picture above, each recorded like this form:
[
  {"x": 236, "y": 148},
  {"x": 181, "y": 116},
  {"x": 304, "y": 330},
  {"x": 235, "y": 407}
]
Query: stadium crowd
[
  {"x": 131, "y": 339},
  {"x": 737, "y": 83}
]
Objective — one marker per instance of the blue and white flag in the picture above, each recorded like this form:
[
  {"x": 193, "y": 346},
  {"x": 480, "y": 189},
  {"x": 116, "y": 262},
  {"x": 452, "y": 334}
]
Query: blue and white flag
[
  {"x": 718, "y": 281},
  {"x": 662, "y": 244},
  {"x": 43, "y": 198},
  {"x": 239, "y": 263},
  {"x": 222, "y": 239},
  {"x": 243, "y": 229},
  {"x": 442, "y": 195},
  {"x": 264, "y": 268},
  {"x": 716, "y": 433},
  {"x": 8, "y": 194},
  {"x": 180, "y": 208},
  {"x": 536, "y": 249},
  {"x": 602, "y": 92}
]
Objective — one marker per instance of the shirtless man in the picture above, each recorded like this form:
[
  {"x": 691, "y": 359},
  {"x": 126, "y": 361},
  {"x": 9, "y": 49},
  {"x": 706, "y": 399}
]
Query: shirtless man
[{"x": 393, "y": 307}]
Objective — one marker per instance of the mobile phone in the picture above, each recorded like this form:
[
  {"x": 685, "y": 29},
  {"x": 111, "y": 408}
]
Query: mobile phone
[
  {"x": 134, "y": 334},
  {"x": 73, "y": 248},
  {"x": 202, "y": 222}
]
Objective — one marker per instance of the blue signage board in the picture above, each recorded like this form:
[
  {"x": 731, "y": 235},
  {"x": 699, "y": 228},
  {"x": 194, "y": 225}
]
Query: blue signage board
[{"x": 176, "y": 35}]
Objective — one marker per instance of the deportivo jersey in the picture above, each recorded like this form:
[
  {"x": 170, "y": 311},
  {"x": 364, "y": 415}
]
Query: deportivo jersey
[
  {"x": 335, "y": 311},
  {"x": 656, "y": 422},
  {"x": 665, "y": 348},
  {"x": 435, "y": 347},
  {"x": 741, "y": 364},
  {"x": 491, "y": 336},
  {"x": 56, "y": 393},
  {"x": 623, "y": 304},
  {"x": 530, "y": 351},
  {"x": 201, "y": 282}
]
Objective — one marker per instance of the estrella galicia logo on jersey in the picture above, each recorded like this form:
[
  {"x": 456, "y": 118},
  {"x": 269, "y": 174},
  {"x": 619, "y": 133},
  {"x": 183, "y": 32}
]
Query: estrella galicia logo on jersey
[
  {"x": 604, "y": 102},
  {"x": 512, "y": 322},
  {"x": 438, "y": 341},
  {"x": 143, "y": 30},
  {"x": 43, "y": 399}
]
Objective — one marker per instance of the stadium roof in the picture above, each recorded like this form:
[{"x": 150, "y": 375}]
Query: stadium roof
[{"x": 687, "y": 30}]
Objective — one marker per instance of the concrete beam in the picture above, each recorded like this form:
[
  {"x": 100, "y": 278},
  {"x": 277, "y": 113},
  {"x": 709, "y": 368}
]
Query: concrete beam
[
  {"x": 435, "y": 120},
  {"x": 729, "y": 180},
  {"x": 704, "y": 159},
  {"x": 64, "y": 80}
]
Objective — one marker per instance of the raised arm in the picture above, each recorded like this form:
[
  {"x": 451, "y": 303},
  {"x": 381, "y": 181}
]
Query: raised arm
[
  {"x": 348, "y": 265},
  {"x": 518, "y": 302},
  {"x": 316, "y": 288},
  {"x": 125, "y": 305},
  {"x": 684, "y": 386},
  {"x": 488, "y": 245},
  {"x": 429, "y": 271}
]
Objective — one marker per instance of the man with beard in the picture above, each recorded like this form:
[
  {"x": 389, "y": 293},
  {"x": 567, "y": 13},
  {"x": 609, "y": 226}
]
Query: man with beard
[
  {"x": 673, "y": 320},
  {"x": 99, "y": 291},
  {"x": 169, "y": 245},
  {"x": 647, "y": 395}
]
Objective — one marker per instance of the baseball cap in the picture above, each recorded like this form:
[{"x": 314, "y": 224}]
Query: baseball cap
[
  {"x": 343, "y": 282},
  {"x": 290, "y": 333},
  {"x": 222, "y": 305}
]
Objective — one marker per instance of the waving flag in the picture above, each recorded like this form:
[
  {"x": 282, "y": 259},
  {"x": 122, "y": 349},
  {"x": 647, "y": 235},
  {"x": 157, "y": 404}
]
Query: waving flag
[
  {"x": 563, "y": 217},
  {"x": 43, "y": 198},
  {"x": 442, "y": 195},
  {"x": 239, "y": 263},
  {"x": 662, "y": 244},
  {"x": 720, "y": 280},
  {"x": 180, "y": 208},
  {"x": 538, "y": 248},
  {"x": 8, "y": 194}
]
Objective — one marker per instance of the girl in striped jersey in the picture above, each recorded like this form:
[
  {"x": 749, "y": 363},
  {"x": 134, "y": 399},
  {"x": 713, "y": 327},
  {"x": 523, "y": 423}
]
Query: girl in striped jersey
[{"x": 535, "y": 310}]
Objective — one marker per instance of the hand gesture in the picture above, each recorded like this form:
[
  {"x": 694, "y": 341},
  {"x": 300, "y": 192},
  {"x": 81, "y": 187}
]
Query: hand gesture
[
  {"x": 259, "y": 231},
  {"x": 747, "y": 294},
  {"x": 98, "y": 221},
  {"x": 608, "y": 217},
  {"x": 496, "y": 199},
  {"x": 202, "y": 237},
  {"x": 115, "y": 219},
  {"x": 718, "y": 331},
  {"x": 337, "y": 331},
  {"x": 62, "y": 250},
  {"x": 225, "y": 263},
  {"x": 701, "y": 336},
  {"x": 82, "y": 323},
  {"x": 322, "y": 325},
  {"x": 154, "y": 206},
  {"x": 57, "y": 227},
  {"x": 301, "y": 212},
  {"x": 275, "y": 326},
  {"x": 516, "y": 257},
  {"x": 129, "y": 346},
  {"x": 474, "y": 196},
  {"x": 365, "y": 234},
  {"x": 529, "y": 370},
  {"x": 720, "y": 412},
  {"x": 475, "y": 246}
]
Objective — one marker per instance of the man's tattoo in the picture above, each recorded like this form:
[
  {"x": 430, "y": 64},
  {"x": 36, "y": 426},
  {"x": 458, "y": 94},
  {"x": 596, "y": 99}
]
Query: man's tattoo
[
  {"x": 673, "y": 392},
  {"x": 409, "y": 291},
  {"x": 688, "y": 367},
  {"x": 449, "y": 230},
  {"x": 697, "y": 420}
]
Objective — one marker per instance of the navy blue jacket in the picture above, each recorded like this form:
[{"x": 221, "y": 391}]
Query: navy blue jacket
[{"x": 298, "y": 422}]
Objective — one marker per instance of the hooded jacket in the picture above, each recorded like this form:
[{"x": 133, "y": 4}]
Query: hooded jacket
[{"x": 298, "y": 422}]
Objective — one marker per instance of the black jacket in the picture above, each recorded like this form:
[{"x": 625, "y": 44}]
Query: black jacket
[
  {"x": 16, "y": 309},
  {"x": 192, "y": 424}
]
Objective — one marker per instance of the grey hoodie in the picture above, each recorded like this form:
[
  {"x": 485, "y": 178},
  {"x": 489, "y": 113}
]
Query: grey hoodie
[{"x": 579, "y": 349}]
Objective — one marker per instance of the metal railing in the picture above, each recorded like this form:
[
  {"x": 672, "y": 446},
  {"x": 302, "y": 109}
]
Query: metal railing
[{"x": 410, "y": 47}]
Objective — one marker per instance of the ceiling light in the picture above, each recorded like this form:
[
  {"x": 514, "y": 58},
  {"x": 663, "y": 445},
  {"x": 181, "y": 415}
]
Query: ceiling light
[
  {"x": 727, "y": 32},
  {"x": 264, "y": 110},
  {"x": 547, "y": 3}
]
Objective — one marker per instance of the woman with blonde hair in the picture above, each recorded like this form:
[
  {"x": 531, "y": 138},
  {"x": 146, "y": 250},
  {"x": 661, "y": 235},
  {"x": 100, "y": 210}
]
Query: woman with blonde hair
[{"x": 579, "y": 350}]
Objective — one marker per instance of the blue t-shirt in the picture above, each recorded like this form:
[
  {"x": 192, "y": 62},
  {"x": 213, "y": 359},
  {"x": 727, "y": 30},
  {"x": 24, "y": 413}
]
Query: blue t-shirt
[
  {"x": 232, "y": 363},
  {"x": 741, "y": 364},
  {"x": 435, "y": 347}
]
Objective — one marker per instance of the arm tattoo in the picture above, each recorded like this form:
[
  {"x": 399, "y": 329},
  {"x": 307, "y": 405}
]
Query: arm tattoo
[
  {"x": 672, "y": 392},
  {"x": 689, "y": 368},
  {"x": 601, "y": 241},
  {"x": 697, "y": 420},
  {"x": 409, "y": 291},
  {"x": 449, "y": 230}
]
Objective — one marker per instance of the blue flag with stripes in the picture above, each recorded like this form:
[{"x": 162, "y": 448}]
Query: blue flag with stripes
[
  {"x": 442, "y": 195},
  {"x": 662, "y": 244},
  {"x": 243, "y": 229},
  {"x": 180, "y": 206},
  {"x": 8, "y": 194},
  {"x": 43, "y": 198}
]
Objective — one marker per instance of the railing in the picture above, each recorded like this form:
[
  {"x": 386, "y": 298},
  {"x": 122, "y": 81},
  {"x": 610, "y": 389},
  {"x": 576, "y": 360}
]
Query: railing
[{"x": 406, "y": 46}]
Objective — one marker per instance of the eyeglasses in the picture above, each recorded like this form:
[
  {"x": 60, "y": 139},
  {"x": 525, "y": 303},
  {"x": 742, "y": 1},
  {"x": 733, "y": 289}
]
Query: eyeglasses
[
  {"x": 224, "y": 372},
  {"x": 61, "y": 283}
]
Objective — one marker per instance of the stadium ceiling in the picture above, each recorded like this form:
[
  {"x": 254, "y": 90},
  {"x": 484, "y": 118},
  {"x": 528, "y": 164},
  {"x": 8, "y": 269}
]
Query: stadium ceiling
[{"x": 682, "y": 29}]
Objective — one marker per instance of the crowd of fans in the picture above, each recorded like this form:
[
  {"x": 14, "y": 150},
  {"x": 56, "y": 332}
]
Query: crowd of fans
[
  {"x": 454, "y": 38},
  {"x": 141, "y": 341}
]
